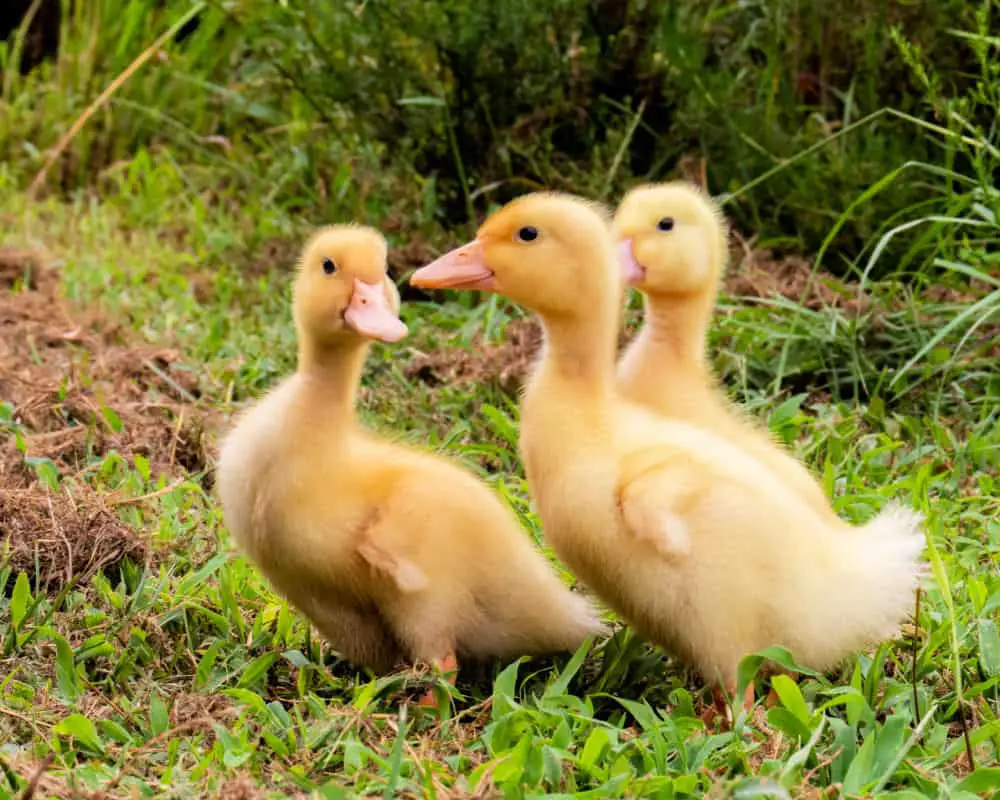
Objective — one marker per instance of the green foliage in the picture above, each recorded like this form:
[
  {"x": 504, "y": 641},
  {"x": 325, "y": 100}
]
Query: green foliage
[
  {"x": 201, "y": 675},
  {"x": 495, "y": 99},
  {"x": 187, "y": 676},
  {"x": 176, "y": 101},
  {"x": 466, "y": 104}
]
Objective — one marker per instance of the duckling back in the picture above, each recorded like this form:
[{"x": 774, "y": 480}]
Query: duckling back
[{"x": 691, "y": 393}]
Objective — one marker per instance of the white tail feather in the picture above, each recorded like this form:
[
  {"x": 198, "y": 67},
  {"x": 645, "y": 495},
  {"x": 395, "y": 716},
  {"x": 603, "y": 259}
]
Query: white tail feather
[
  {"x": 890, "y": 567},
  {"x": 872, "y": 592}
]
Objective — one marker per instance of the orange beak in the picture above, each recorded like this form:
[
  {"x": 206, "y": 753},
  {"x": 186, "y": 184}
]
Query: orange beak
[
  {"x": 462, "y": 268},
  {"x": 370, "y": 315}
]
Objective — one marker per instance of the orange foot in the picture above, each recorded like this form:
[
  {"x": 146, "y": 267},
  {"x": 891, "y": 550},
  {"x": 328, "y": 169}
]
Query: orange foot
[
  {"x": 447, "y": 665},
  {"x": 719, "y": 709}
]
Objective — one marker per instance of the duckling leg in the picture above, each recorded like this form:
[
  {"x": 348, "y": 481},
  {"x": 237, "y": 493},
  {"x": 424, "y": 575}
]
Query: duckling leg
[
  {"x": 421, "y": 616},
  {"x": 719, "y": 709},
  {"x": 772, "y": 698},
  {"x": 424, "y": 623},
  {"x": 449, "y": 666}
]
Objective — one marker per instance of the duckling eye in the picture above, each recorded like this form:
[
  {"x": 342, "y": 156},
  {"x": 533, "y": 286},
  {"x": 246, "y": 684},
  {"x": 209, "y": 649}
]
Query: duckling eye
[
  {"x": 328, "y": 266},
  {"x": 665, "y": 224},
  {"x": 527, "y": 234}
]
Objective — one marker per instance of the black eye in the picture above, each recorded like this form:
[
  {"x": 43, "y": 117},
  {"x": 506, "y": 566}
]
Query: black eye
[
  {"x": 665, "y": 224},
  {"x": 328, "y": 266},
  {"x": 527, "y": 234}
]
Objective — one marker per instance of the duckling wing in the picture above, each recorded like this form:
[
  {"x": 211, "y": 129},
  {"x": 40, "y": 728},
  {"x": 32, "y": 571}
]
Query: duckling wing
[
  {"x": 406, "y": 574},
  {"x": 656, "y": 488}
]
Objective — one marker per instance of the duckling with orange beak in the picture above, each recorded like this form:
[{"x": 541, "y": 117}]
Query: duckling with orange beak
[
  {"x": 391, "y": 551},
  {"x": 672, "y": 247},
  {"x": 694, "y": 541}
]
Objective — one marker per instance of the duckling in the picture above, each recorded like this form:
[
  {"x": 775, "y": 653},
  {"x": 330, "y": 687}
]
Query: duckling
[
  {"x": 693, "y": 540},
  {"x": 391, "y": 551},
  {"x": 672, "y": 247}
]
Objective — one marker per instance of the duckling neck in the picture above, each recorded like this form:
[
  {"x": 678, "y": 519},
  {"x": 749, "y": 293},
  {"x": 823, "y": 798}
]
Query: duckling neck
[
  {"x": 579, "y": 353},
  {"x": 331, "y": 372},
  {"x": 570, "y": 395},
  {"x": 676, "y": 328}
]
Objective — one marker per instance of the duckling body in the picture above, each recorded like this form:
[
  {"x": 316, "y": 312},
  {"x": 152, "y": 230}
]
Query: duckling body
[
  {"x": 696, "y": 542},
  {"x": 393, "y": 552},
  {"x": 672, "y": 245},
  {"x": 701, "y": 548}
]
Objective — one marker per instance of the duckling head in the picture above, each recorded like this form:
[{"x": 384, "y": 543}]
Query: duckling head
[
  {"x": 550, "y": 252},
  {"x": 342, "y": 291},
  {"x": 671, "y": 240}
]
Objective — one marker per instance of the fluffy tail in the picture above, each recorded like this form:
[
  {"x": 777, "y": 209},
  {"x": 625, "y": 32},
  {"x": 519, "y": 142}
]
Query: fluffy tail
[
  {"x": 581, "y": 619},
  {"x": 553, "y": 618},
  {"x": 883, "y": 572},
  {"x": 895, "y": 540}
]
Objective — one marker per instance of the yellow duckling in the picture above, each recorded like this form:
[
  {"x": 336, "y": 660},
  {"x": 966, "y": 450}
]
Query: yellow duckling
[
  {"x": 694, "y": 541},
  {"x": 392, "y": 552},
  {"x": 672, "y": 247}
]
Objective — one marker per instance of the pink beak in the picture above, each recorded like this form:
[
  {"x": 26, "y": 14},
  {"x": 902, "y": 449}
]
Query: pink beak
[
  {"x": 370, "y": 315},
  {"x": 632, "y": 274},
  {"x": 461, "y": 268}
]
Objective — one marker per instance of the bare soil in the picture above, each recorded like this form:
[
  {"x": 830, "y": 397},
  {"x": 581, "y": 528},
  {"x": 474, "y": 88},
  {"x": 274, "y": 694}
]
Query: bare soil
[{"x": 80, "y": 391}]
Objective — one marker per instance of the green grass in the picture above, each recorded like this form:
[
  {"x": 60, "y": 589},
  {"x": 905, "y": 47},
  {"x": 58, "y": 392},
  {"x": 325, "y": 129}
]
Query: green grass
[
  {"x": 175, "y": 214},
  {"x": 187, "y": 676}
]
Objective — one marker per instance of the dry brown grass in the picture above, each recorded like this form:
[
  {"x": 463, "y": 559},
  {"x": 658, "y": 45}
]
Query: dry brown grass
[{"x": 80, "y": 391}]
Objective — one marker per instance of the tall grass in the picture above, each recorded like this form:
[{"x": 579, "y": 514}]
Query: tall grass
[
  {"x": 478, "y": 103},
  {"x": 180, "y": 98},
  {"x": 958, "y": 231},
  {"x": 329, "y": 113}
]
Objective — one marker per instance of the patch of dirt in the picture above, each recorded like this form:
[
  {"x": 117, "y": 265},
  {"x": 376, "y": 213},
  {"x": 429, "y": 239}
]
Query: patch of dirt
[
  {"x": 940, "y": 293},
  {"x": 24, "y": 268},
  {"x": 189, "y": 707},
  {"x": 64, "y": 537},
  {"x": 693, "y": 168},
  {"x": 415, "y": 253},
  {"x": 765, "y": 275},
  {"x": 506, "y": 362},
  {"x": 273, "y": 254},
  {"x": 242, "y": 788},
  {"x": 80, "y": 391}
]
